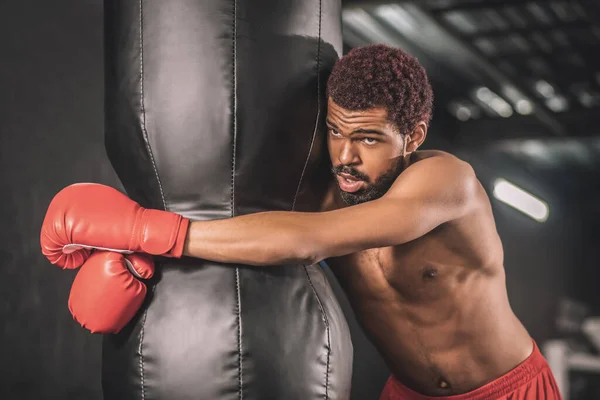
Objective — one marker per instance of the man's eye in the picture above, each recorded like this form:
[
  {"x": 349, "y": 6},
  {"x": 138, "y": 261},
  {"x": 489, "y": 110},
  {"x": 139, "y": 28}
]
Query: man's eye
[
  {"x": 333, "y": 132},
  {"x": 369, "y": 141}
]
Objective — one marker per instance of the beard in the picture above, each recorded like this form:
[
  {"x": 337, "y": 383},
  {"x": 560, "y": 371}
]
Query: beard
[{"x": 373, "y": 190}]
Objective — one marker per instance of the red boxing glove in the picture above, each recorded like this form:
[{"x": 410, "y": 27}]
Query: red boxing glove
[
  {"x": 89, "y": 216},
  {"x": 106, "y": 292}
]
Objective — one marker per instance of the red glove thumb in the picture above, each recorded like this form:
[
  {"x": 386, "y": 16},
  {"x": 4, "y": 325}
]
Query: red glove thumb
[{"x": 106, "y": 293}]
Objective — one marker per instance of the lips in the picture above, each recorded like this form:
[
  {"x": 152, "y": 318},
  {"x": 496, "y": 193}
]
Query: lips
[{"x": 348, "y": 183}]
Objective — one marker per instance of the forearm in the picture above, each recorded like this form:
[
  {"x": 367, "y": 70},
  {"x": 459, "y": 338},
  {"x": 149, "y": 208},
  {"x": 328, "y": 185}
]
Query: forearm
[
  {"x": 432, "y": 194},
  {"x": 281, "y": 237},
  {"x": 269, "y": 238}
]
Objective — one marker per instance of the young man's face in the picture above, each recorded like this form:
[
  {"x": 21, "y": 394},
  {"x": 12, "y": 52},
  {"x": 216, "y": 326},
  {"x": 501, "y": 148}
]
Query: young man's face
[{"x": 366, "y": 152}]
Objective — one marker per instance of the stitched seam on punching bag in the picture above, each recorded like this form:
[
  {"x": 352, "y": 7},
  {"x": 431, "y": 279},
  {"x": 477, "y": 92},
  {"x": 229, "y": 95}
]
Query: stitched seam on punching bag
[
  {"x": 312, "y": 141},
  {"x": 162, "y": 196},
  {"x": 233, "y": 155},
  {"x": 143, "y": 110},
  {"x": 327, "y": 331},
  {"x": 141, "y": 40}
]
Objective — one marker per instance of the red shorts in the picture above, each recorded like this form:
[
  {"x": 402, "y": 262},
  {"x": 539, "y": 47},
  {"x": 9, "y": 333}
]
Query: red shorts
[{"x": 531, "y": 380}]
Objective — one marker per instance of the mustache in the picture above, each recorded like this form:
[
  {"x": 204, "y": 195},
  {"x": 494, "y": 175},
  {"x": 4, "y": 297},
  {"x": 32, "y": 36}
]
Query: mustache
[{"x": 345, "y": 169}]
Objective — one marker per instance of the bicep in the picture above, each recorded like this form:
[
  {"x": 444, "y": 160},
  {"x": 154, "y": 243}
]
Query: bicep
[
  {"x": 417, "y": 203},
  {"x": 378, "y": 223}
]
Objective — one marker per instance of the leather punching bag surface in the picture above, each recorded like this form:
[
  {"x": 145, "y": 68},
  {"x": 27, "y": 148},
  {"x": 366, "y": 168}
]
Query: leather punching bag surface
[{"x": 214, "y": 109}]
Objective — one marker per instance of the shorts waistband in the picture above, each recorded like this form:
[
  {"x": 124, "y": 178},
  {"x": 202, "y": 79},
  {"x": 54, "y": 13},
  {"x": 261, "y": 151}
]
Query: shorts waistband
[{"x": 505, "y": 384}]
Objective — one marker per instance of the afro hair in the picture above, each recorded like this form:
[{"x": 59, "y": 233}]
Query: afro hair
[{"x": 378, "y": 75}]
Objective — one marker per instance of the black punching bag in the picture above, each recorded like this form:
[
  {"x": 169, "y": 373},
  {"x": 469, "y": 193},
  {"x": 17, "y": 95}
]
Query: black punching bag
[{"x": 214, "y": 109}]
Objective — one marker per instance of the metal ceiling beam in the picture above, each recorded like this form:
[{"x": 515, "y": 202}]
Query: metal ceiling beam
[
  {"x": 554, "y": 54},
  {"x": 435, "y": 38},
  {"x": 362, "y": 28},
  {"x": 530, "y": 29},
  {"x": 482, "y": 5},
  {"x": 485, "y": 131},
  {"x": 367, "y": 3}
]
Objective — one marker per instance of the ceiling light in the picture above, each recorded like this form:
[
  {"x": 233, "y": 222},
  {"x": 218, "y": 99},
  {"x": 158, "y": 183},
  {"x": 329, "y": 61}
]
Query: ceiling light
[
  {"x": 521, "y": 200},
  {"x": 524, "y": 107},
  {"x": 544, "y": 88},
  {"x": 501, "y": 107},
  {"x": 484, "y": 94},
  {"x": 557, "y": 103}
]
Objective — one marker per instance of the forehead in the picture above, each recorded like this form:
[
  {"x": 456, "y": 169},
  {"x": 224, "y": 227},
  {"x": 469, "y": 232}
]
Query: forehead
[{"x": 341, "y": 116}]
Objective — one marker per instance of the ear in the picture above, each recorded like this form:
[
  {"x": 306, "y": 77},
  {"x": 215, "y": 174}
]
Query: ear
[{"x": 416, "y": 137}]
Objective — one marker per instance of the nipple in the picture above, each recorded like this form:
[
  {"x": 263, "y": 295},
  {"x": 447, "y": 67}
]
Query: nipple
[{"x": 430, "y": 273}]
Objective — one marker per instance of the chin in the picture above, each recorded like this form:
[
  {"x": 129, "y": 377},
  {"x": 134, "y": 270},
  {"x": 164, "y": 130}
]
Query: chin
[
  {"x": 373, "y": 192},
  {"x": 355, "y": 198}
]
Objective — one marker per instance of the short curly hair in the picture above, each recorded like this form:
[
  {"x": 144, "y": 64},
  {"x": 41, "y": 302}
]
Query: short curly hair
[{"x": 378, "y": 75}]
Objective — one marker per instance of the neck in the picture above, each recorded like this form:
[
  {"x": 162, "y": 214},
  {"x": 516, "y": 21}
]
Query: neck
[{"x": 406, "y": 161}]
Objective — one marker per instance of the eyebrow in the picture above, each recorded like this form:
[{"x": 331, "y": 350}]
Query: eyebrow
[{"x": 359, "y": 130}]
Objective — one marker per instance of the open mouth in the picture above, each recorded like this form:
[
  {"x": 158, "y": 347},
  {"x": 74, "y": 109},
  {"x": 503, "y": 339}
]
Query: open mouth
[{"x": 349, "y": 183}]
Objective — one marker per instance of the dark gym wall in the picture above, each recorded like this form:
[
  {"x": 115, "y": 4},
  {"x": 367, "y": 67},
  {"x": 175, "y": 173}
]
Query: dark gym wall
[
  {"x": 541, "y": 260},
  {"x": 51, "y": 135}
]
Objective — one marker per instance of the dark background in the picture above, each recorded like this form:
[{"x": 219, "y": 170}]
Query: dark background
[{"x": 51, "y": 135}]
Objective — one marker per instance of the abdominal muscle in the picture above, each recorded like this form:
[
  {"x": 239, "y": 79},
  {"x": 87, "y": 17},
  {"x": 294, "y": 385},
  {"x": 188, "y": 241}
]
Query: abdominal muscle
[{"x": 441, "y": 333}]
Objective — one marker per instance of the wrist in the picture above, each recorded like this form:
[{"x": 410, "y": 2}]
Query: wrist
[
  {"x": 181, "y": 239},
  {"x": 162, "y": 233}
]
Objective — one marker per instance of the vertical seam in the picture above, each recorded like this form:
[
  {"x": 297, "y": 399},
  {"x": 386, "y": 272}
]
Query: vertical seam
[
  {"x": 144, "y": 132},
  {"x": 233, "y": 110},
  {"x": 239, "y": 322},
  {"x": 143, "y": 108},
  {"x": 327, "y": 331},
  {"x": 312, "y": 141},
  {"x": 143, "y": 391},
  {"x": 232, "y": 204},
  {"x": 162, "y": 196}
]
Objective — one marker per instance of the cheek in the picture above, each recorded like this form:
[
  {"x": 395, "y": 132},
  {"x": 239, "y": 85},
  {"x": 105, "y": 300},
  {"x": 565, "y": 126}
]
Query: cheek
[
  {"x": 376, "y": 162},
  {"x": 333, "y": 147}
]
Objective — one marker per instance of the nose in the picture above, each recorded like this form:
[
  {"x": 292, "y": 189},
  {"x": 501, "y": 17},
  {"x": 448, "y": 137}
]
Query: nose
[{"x": 348, "y": 154}]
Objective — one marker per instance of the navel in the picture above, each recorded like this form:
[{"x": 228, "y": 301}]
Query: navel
[{"x": 443, "y": 384}]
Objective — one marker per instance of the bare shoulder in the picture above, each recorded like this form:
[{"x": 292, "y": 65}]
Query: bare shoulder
[
  {"x": 438, "y": 173},
  {"x": 435, "y": 164},
  {"x": 438, "y": 159}
]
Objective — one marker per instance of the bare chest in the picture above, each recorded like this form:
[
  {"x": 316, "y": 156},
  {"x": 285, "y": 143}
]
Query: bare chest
[{"x": 410, "y": 273}]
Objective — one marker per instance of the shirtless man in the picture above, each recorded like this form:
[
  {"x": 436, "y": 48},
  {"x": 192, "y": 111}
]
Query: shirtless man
[{"x": 409, "y": 234}]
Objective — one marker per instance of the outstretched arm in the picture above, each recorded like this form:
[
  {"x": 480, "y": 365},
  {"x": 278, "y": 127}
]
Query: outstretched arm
[{"x": 429, "y": 193}]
